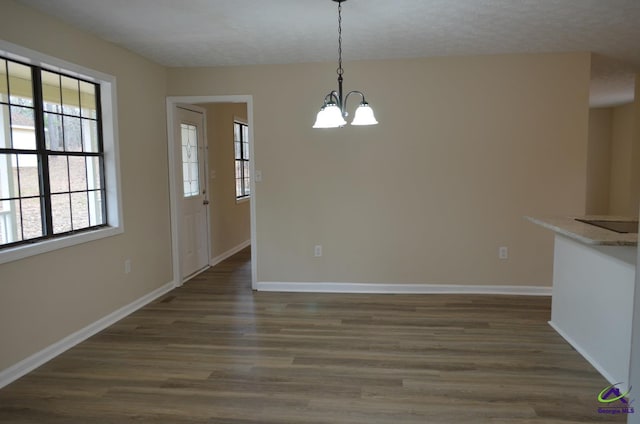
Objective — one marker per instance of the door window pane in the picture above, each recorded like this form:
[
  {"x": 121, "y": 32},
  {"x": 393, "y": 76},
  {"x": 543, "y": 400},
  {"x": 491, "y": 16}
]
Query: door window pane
[{"x": 190, "y": 171}]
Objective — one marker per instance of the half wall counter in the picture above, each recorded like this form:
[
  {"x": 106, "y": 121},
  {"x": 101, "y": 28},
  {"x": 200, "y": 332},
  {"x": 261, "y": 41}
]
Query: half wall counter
[{"x": 594, "y": 269}]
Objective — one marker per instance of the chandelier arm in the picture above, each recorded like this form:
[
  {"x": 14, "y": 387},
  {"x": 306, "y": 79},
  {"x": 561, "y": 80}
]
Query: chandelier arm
[
  {"x": 354, "y": 92},
  {"x": 333, "y": 95}
]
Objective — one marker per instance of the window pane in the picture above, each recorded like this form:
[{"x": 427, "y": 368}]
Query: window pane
[
  {"x": 79, "y": 210},
  {"x": 53, "y": 132},
  {"x": 238, "y": 169},
  {"x": 61, "y": 213},
  {"x": 4, "y": 88},
  {"x": 8, "y": 176},
  {"x": 236, "y": 132},
  {"x": 5, "y": 133},
  {"x": 247, "y": 186},
  {"x": 70, "y": 96},
  {"x": 245, "y": 133},
  {"x": 32, "y": 218},
  {"x": 88, "y": 100},
  {"x": 51, "y": 92},
  {"x": 95, "y": 208},
  {"x": 77, "y": 173},
  {"x": 90, "y": 136},
  {"x": 10, "y": 221},
  {"x": 238, "y": 187},
  {"x": 28, "y": 175},
  {"x": 93, "y": 173},
  {"x": 58, "y": 174},
  {"x": 246, "y": 169},
  {"x": 20, "y": 85},
  {"x": 238, "y": 149},
  {"x": 72, "y": 134},
  {"x": 245, "y": 150},
  {"x": 23, "y": 133}
]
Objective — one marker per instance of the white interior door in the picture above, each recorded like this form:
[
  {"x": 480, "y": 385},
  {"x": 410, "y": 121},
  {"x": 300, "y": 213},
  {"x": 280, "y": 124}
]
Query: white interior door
[{"x": 190, "y": 158}]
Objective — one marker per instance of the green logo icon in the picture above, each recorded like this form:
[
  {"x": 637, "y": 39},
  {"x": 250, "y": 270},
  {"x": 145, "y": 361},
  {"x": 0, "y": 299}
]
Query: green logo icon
[{"x": 611, "y": 394}]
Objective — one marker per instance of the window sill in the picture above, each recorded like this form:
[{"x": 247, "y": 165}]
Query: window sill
[
  {"x": 242, "y": 200},
  {"x": 27, "y": 250}
]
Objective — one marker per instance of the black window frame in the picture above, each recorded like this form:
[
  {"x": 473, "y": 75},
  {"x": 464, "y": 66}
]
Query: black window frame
[
  {"x": 43, "y": 155},
  {"x": 244, "y": 159}
]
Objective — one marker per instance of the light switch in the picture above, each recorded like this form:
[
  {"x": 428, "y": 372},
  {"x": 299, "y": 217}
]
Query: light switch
[{"x": 258, "y": 176}]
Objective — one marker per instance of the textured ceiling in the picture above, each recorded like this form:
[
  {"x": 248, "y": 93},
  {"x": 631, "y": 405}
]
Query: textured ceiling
[{"x": 240, "y": 32}]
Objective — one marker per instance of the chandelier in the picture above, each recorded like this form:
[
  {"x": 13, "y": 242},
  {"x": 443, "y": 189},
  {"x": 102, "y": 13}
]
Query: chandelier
[{"x": 333, "y": 111}]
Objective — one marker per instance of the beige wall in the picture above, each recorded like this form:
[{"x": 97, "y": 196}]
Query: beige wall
[
  {"x": 599, "y": 161},
  {"x": 46, "y": 297},
  {"x": 621, "y": 161},
  {"x": 230, "y": 223},
  {"x": 465, "y": 148}
]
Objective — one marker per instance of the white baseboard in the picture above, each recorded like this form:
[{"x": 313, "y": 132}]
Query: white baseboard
[
  {"x": 215, "y": 261},
  {"x": 27, "y": 365},
  {"x": 588, "y": 357},
  {"x": 401, "y": 288}
]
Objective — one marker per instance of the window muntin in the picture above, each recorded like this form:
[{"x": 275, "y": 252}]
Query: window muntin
[
  {"x": 242, "y": 156},
  {"x": 51, "y": 155}
]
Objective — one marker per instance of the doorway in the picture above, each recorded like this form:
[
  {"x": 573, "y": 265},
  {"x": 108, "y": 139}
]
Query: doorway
[{"x": 179, "y": 268}]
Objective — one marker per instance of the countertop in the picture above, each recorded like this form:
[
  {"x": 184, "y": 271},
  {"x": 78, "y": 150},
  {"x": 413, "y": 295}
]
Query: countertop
[{"x": 587, "y": 233}]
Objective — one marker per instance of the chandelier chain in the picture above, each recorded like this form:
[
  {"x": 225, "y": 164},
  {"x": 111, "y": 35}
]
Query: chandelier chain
[{"x": 340, "y": 71}]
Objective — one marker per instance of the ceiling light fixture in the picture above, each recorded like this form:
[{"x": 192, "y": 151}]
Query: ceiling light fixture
[{"x": 334, "y": 111}]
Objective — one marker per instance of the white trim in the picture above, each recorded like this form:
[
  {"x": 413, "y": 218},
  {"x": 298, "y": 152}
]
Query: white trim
[
  {"x": 586, "y": 356},
  {"x": 27, "y": 365},
  {"x": 215, "y": 261},
  {"x": 173, "y": 100},
  {"x": 26, "y": 250},
  {"x": 402, "y": 288}
]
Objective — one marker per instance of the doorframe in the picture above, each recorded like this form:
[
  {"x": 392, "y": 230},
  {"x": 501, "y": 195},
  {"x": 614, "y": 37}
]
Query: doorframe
[{"x": 172, "y": 102}]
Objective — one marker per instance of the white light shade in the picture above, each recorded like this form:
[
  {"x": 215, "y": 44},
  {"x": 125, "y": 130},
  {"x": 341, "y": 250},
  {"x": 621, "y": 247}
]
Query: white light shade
[
  {"x": 329, "y": 116},
  {"x": 364, "y": 116}
]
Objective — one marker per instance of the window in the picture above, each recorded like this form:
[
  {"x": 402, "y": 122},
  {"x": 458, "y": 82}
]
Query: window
[
  {"x": 58, "y": 173},
  {"x": 241, "y": 144}
]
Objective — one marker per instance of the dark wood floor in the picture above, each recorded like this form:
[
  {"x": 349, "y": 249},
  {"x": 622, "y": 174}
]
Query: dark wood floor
[{"x": 213, "y": 351}]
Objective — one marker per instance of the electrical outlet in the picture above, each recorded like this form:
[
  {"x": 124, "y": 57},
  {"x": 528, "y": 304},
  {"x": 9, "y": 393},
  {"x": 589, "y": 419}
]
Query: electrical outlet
[
  {"x": 127, "y": 266},
  {"x": 317, "y": 250},
  {"x": 503, "y": 252}
]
